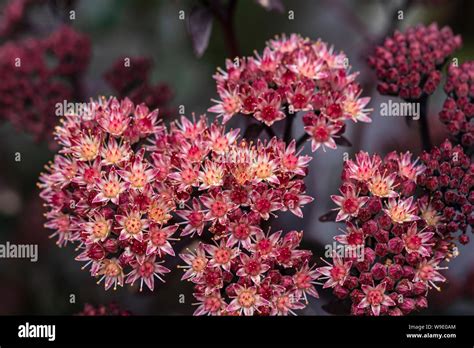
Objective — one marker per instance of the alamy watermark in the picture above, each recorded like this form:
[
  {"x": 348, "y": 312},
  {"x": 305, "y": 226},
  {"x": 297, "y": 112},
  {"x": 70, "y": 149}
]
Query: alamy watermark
[
  {"x": 73, "y": 109},
  {"x": 19, "y": 251},
  {"x": 353, "y": 252},
  {"x": 400, "y": 109}
]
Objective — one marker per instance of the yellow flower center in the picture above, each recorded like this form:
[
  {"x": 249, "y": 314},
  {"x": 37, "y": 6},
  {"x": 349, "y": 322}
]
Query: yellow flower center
[
  {"x": 199, "y": 263},
  {"x": 112, "y": 156},
  {"x": 378, "y": 187},
  {"x": 137, "y": 179},
  {"x": 263, "y": 170},
  {"x": 247, "y": 299},
  {"x": 112, "y": 269},
  {"x": 158, "y": 214},
  {"x": 133, "y": 225},
  {"x": 101, "y": 229},
  {"x": 111, "y": 189},
  {"x": 212, "y": 177}
]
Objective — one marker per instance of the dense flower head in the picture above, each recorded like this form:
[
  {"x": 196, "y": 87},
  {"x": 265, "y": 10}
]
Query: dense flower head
[
  {"x": 449, "y": 185},
  {"x": 123, "y": 185},
  {"x": 458, "y": 108},
  {"x": 293, "y": 74},
  {"x": 266, "y": 275},
  {"x": 391, "y": 250},
  {"x": 130, "y": 77},
  {"x": 111, "y": 309},
  {"x": 408, "y": 63},
  {"x": 32, "y": 86}
]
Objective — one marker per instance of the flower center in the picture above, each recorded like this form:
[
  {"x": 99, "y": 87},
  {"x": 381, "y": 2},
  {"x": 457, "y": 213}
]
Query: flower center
[
  {"x": 111, "y": 189},
  {"x": 100, "y": 229},
  {"x": 89, "y": 150},
  {"x": 321, "y": 134},
  {"x": 112, "y": 269},
  {"x": 426, "y": 272},
  {"x": 350, "y": 205},
  {"x": 70, "y": 171},
  {"x": 247, "y": 299},
  {"x": 250, "y": 103},
  {"x": 302, "y": 280},
  {"x": 355, "y": 238},
  {"x": 379, "y": 188},
  {"x": 338, "y": 273},
  {"x": 212, "y": 177},
  {"x": 413, "y": 242},
  {"x": 263, "y": 170},
  {"x": 199, "y": 263},
  {"x": 375, "y": 297},
  {"x": 219, "y": 209},
  {"x": 212, "y": 304},
  {"x": 398, "y": 214},
  {"x": 133, "y": 225},
  {"x": 194, "y": 154},
  {"x": 264, "y": 247},
  {"x": 283, "y": 303},
  {"x": 188, "y": 176},
  {"x": 220, "y": 144},
  {"x": 222, "y": 256},
  {"x": 231, "y": 105},
  {"x": 137, "y": 178},
  {"x": 146, "y": 269},
  {"x": 195, "y": 219},
  {"x": 263, "y": 205},
  {"x": 158, "y": 214},
  {"x": 241, "y": 231},
  {"x": 158, "y": 238},
  {"x": 242, "y": 173},
  {"x": 290, "y": 162},
  {"x": 253, "y": 268},
  {"x": 299, "y": 100},
  {"x": 62, "y": 223},
  {"x": 269, "y": 113},
  {"x": 112, "y": 156}
]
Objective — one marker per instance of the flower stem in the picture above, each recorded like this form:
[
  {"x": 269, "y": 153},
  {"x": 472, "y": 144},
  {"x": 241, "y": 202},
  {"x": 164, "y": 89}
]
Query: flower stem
[
  {"x": 302, "y": 140},
  {"x": 424, "y": 127},
  {"x": 225, "y": 17},
  {"x": 288, "y": 127}
]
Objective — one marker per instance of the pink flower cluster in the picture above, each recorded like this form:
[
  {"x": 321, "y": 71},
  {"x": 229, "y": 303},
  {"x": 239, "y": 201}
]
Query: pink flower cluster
[
  {"x": 31, "y": 86},
  {"x": 293, "y": 74},
  {"x": 391, "y": 247},
  {"x": 409, "y": 64},
  {"x": 458, "y": 109},
  {"x": 263, "y": 274},
  {"x": 449, "y": 185},
  {"x": 120, "y": 199}
]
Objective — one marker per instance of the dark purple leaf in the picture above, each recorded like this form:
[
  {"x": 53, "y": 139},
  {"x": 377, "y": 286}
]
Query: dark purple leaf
[
  {"x": 342, "y": 141},
  {"x": 329, "y": 216},
  {"x": 272, "y": 5},
  {"x": 199, "y": 26}
]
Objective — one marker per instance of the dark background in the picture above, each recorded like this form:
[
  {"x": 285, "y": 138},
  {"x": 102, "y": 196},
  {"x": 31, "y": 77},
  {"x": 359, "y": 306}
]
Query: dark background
[{"x": 152, "y": 29}]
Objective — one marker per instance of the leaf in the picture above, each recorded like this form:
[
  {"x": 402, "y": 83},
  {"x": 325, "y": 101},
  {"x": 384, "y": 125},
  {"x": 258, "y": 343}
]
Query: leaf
[
  {"x": 199, "y": 27},
  {"x": 329, "y": 216},
  {"x": 342, "y": 141},
  {"x": 272, "y": 5}
]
